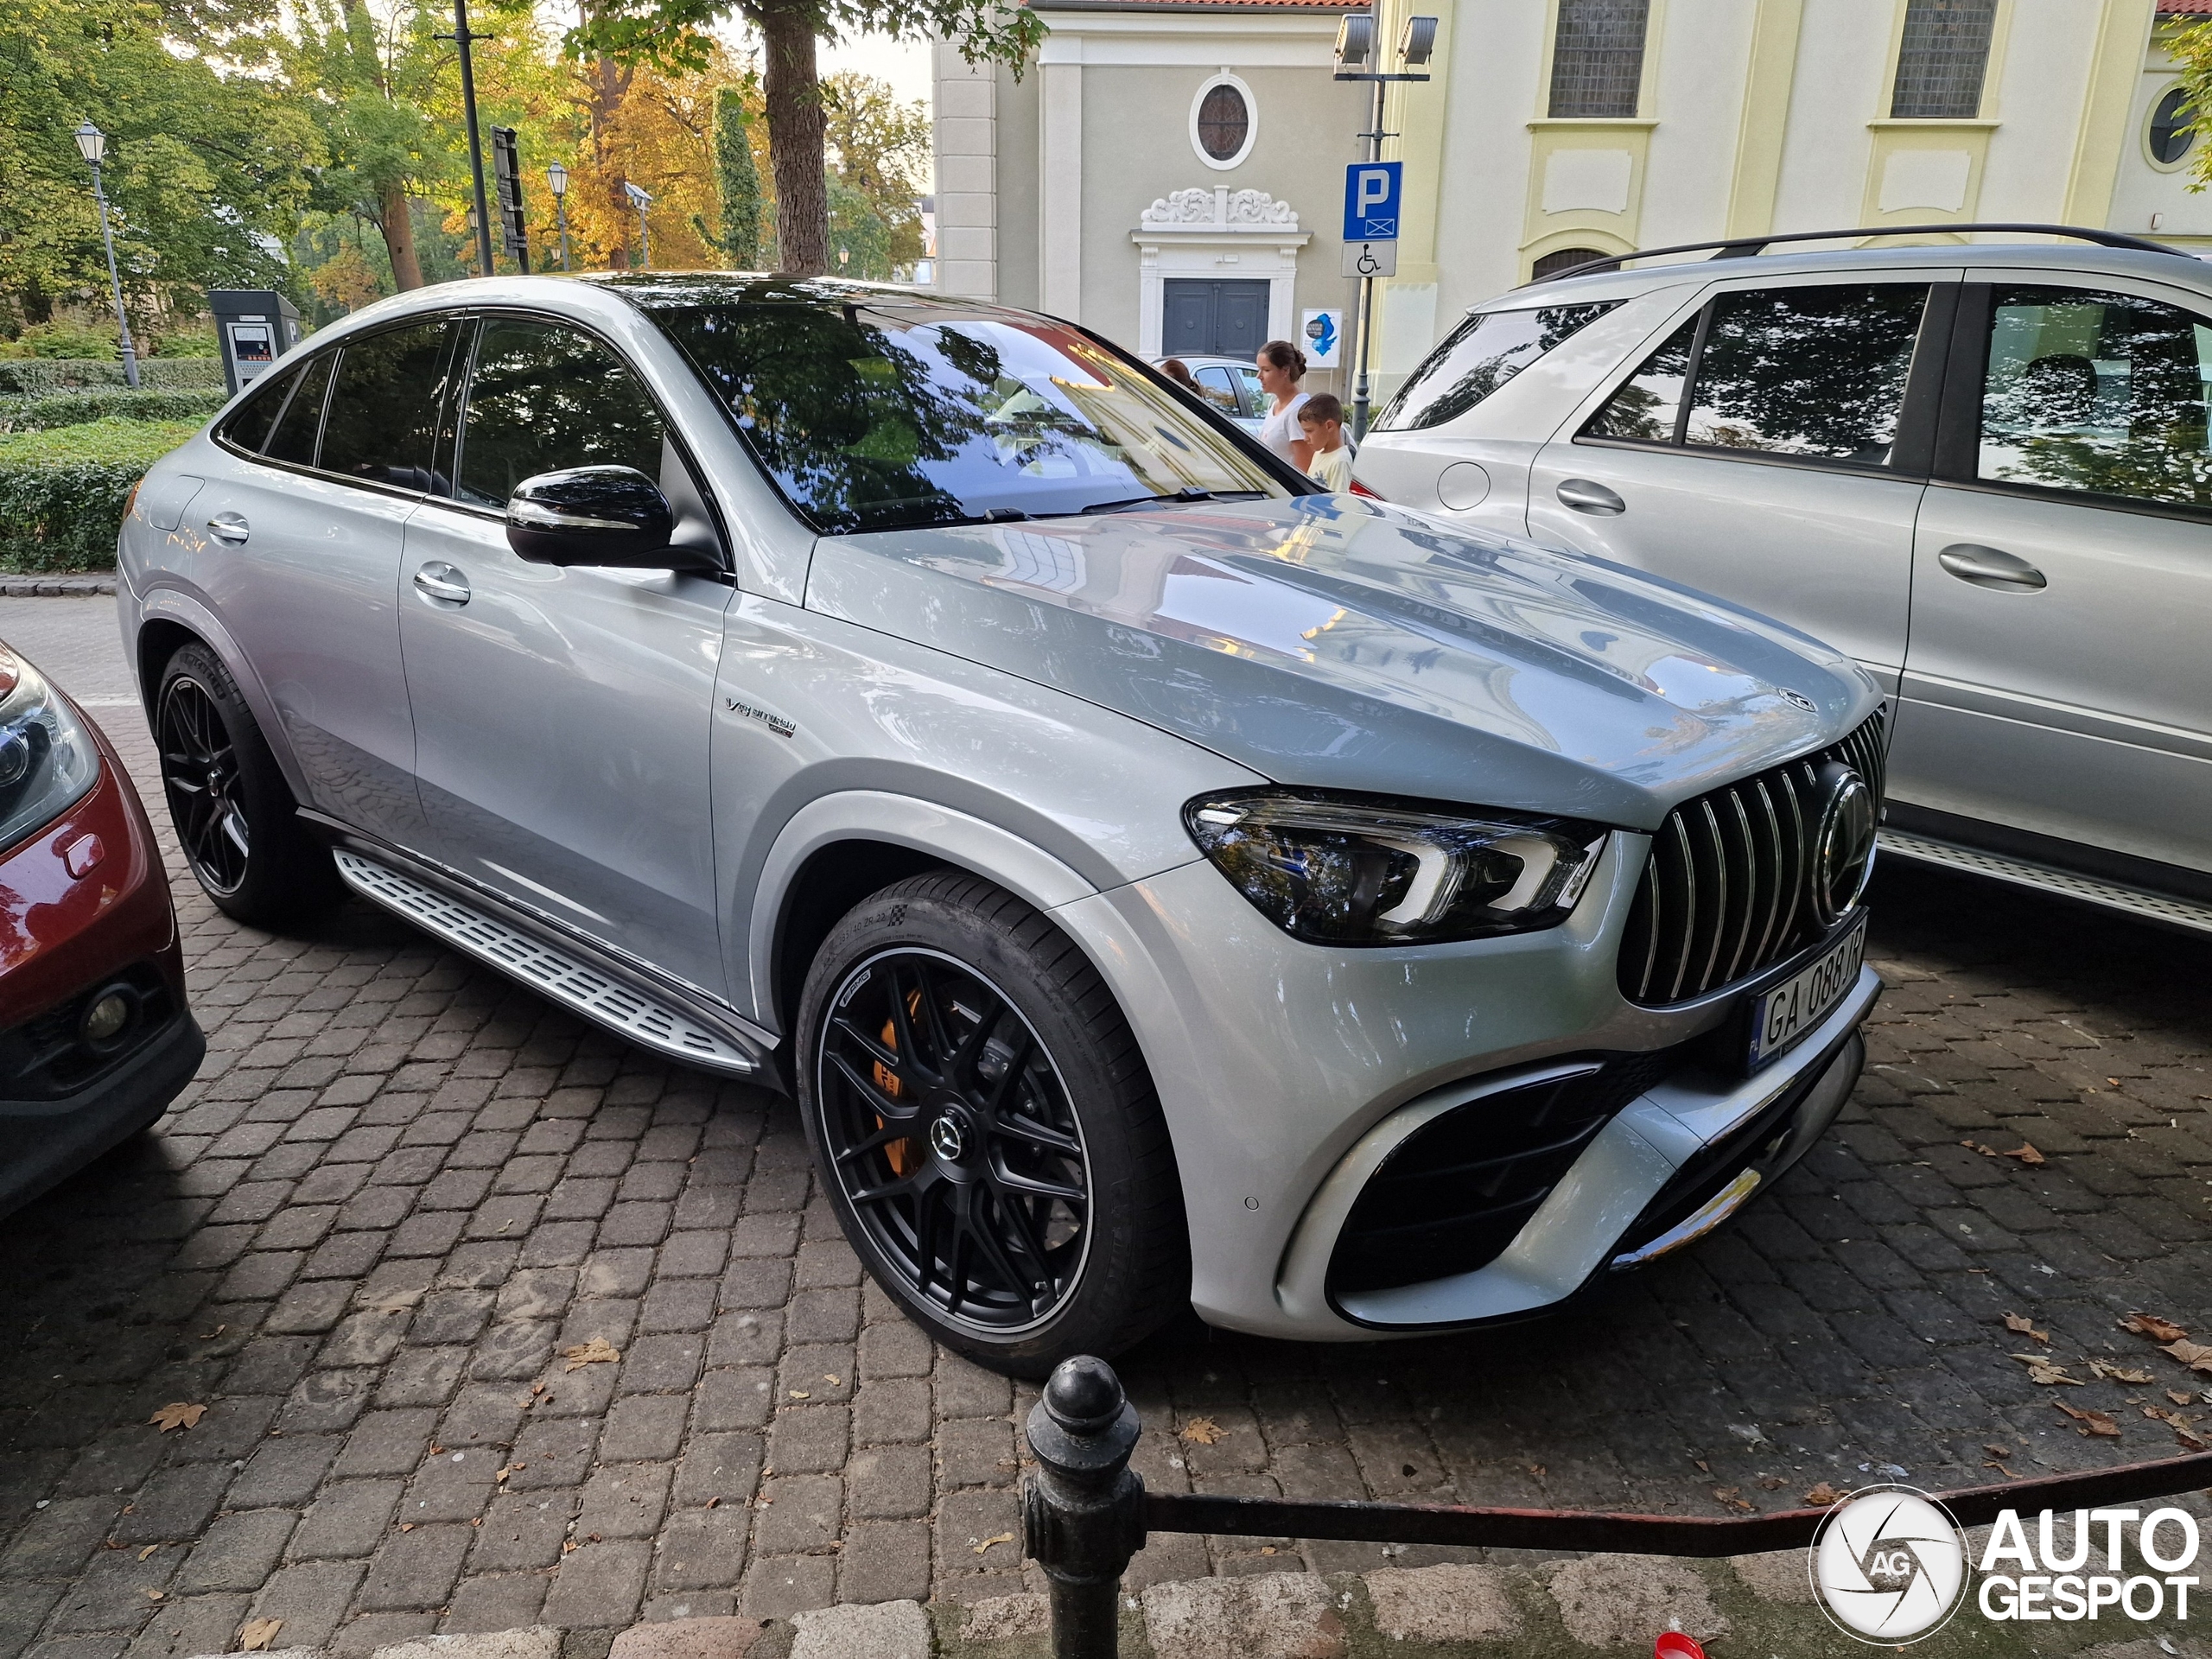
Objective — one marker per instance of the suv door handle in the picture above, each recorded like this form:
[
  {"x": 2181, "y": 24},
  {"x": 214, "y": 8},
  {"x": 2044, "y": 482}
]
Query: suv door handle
[
  {"x": 1585, "y": 496},
  {"x": 441, "y": 580},
  {"x": 1988, "y": 567},
  {"x": 228, "y": 527}
]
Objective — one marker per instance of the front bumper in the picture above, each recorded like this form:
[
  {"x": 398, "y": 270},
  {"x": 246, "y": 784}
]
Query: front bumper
[
  {"x": 44, "y": 1141},
  {"x": 1286, "y": 1072}
]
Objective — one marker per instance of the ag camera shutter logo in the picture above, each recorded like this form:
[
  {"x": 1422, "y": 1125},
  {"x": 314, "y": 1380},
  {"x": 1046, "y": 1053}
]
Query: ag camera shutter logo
[{"x": 1889, "y": 1564}]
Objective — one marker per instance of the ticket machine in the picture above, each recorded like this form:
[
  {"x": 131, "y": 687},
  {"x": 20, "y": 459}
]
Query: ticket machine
[{"x": 256, "y": 326}]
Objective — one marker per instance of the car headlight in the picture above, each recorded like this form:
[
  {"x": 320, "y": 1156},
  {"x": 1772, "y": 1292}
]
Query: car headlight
[
  {"x": 1340, "y": 870},
  {"x": 47, "y": 758}
]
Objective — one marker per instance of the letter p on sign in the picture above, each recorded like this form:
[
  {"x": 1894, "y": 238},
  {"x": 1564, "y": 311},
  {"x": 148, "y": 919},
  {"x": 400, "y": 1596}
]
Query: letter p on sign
[{"x": 1371, "y": 192}]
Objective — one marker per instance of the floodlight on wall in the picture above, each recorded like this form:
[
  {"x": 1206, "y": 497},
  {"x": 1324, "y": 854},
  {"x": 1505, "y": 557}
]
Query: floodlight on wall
[
  {"x": 1418, "y": 42},
  {"x": 1355, "y": 39}
]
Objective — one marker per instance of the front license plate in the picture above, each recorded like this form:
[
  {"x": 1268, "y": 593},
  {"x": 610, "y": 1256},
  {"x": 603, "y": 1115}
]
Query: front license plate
[{"x": 1790, "y": 1009}]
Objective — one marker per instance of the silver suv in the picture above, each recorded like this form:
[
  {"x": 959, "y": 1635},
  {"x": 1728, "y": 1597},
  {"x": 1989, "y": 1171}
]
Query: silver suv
[
  {"x": 1158, "y": 883},
  {"x": 1982, "y": 470}
]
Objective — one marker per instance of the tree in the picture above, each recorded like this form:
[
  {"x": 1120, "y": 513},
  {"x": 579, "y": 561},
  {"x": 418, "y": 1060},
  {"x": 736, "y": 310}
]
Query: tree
[
  {"x": 882, "y": 151},
  {"x": 671, "y": 33},
  {"x": 205, "y": 171},
  {"x": 737, "y": 181},
  {"x": 2191, "y": 48}
]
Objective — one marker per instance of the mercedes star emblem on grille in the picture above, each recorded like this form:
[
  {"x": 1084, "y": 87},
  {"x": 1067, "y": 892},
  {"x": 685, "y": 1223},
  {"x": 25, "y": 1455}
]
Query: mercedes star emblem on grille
[{"x": 1843, "y": 851}]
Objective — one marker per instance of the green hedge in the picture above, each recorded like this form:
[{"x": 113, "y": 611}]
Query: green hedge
[
  {"x": 99, "y": 403},
  {"x": 36, "y": 377},
  {"x": 62, "y": 489}
]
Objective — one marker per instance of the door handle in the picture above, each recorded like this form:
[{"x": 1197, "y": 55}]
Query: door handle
[
  {"x": 1988, "y": 567},
  {"x": 228, "y": 527},
  {"x": 1585, "y": 496},
  {"x": 442, "y": 581}
]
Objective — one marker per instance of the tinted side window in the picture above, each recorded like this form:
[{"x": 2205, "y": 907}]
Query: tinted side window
[
  {"x": 1218, "y": 388},
  {"x": 382, "y": 422},
  {"x": 1644, "y": 410},
  {"x": 542, "y": 399},
  {"x": 249, "y": 426},
  {"x": 1481, "y": 355},
  {"x": 1807, "y": 370},
  {"x": 2103, "y": 393},
  {"x": 301, "y": 421}
]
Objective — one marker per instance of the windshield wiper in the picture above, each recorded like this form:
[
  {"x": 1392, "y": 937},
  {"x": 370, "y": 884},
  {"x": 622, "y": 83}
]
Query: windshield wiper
[{"x": 1189, "y": 493}]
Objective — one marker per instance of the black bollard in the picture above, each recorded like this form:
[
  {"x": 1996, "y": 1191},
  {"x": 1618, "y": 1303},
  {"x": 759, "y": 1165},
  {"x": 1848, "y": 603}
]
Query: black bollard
[{"x": 1083, "y": 1511}]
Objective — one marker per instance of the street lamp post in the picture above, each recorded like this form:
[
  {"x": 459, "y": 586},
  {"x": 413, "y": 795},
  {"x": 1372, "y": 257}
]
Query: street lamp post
[
  {"x": 462, "y": 36},
  {"x": 91, "y": 144},
  {"x": 558, "y": 177},
  {"x": 641, "y": 199}
]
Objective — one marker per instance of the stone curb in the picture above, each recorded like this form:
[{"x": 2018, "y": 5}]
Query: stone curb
[
  {"x": 54, "y": 587},
  {"x": 1567, "y": 1609}
]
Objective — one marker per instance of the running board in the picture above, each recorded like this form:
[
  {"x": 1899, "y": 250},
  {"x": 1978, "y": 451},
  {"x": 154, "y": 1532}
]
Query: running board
[
  {"x": 2152, "y": 907},
  {"x": 554, "y": 974}
]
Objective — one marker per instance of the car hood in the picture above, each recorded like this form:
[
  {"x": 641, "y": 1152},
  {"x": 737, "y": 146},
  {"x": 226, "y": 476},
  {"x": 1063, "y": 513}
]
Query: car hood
[{"x": 1329, "y": 642}]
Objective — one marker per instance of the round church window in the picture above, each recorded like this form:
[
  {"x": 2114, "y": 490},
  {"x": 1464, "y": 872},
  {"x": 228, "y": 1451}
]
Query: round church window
[{"x": 1225, "y": 122}]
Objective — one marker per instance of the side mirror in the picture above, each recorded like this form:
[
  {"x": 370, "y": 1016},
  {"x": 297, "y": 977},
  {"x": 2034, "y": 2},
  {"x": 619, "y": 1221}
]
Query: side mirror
[{"x": 594, "y": 515}]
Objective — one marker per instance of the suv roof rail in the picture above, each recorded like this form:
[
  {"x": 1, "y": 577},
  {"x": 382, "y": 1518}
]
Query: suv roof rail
[{"x": 1744, "y": 247}]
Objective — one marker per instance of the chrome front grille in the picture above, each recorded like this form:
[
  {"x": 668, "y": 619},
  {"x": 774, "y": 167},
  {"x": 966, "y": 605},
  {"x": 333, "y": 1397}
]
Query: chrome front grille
[{"x": 1728, "y": 888}]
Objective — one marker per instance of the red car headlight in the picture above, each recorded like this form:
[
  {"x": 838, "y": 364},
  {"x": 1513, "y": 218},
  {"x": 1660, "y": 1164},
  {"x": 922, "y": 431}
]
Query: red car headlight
[{"x": 47, "y": 758}]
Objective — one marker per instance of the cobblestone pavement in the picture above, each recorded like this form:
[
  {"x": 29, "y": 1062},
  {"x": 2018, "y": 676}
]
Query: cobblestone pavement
[{"x": 401, "y": 1187}]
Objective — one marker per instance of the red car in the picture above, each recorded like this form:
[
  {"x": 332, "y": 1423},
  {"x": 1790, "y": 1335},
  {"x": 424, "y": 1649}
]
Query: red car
[{"x": 95, "y": 1038}]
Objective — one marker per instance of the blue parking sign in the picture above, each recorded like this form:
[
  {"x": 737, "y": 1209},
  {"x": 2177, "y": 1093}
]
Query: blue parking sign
[{"x": 1371, "y": 190}]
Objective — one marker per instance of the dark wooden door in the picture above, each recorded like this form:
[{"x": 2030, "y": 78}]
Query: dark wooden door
[{"x": 1211, "y": 319}]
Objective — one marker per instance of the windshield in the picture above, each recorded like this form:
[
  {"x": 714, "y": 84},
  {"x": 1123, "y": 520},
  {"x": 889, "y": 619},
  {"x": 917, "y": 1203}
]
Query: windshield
[{"x": 878, "y": 417}]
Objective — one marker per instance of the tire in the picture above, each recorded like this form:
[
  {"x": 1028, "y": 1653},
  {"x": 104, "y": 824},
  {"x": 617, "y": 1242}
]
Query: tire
[
  {"x": 1034, "y": 1210},
  {"x": 232, "y": 811}
]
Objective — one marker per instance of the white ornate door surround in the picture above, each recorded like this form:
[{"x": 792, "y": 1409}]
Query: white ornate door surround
[{"x": 1218, "y": 232}]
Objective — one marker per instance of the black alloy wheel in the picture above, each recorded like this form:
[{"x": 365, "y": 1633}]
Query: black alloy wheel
[
  {"x": 234, "y": 811},
  {"x": 985, "y": 1127},
  {"x": 200, "y": 774},
  {"x": 953, "y": 1138}
]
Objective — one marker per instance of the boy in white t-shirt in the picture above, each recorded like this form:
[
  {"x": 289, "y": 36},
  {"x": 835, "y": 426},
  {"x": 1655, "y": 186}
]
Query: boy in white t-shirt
[{"x": 1322, "y": 418}]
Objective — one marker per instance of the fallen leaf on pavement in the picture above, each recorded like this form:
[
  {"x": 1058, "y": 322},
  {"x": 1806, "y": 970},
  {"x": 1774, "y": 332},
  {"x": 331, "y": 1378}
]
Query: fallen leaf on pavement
[
  {"x": 178, "y": 1415},
  {"x": 2026, "y": 1154},
  {"x": 1202, "y": 1431},
  {"x": 1823, "y": 1495},
  {"x": 2181, "y": 1396},
  {"x": 1001, "y": 1538},
  {"x": 2195, "y": 1355},
  {"x": 2025, "y": 1326},
  {"x": 568, "y": 1546},
  {"x": 2191, "y": 1439},
  {"x": 2150, "y": 1326},
  {"x": 156, "y": 1595},
  {"x": 1998, "y": 1451},
  {"x": 2091, "y": 1422},
  {"x": 2105, "y": 1368},
  {"x": 2047, "y": 1371},
  {"x": 255, "y": 1635},
  {"x": 1733, "y": 1497},
  {"x": 1976, "y": 1146},
  {"x": 407, "y": 1526},
  {"x": 148, "y": 1551},
  {"x": 598, "y": 1351}
]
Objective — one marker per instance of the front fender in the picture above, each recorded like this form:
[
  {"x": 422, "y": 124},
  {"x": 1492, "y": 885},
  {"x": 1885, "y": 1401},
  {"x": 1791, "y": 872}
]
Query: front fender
[{"x": 982, "y": 848}]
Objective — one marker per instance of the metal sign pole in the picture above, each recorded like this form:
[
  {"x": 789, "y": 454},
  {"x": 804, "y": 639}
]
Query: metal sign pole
[{"x": 1359, "y": 386}]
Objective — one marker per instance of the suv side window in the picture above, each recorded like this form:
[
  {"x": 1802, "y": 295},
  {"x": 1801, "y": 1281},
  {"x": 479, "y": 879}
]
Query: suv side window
[
  {"x": 1218, "y": 388},
  {"x": 1481, "y": 355},
  {"x": 2104, "y": 394},
  {"x": 543, "y": 397},
  {"x": 382, "y": 419},
  {"x": 1648, "y": 407},
  {"x": 251, "y": 422},
  {"x": 300, "y": 423},
  {"x": 1819, "y": 373}
]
